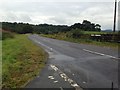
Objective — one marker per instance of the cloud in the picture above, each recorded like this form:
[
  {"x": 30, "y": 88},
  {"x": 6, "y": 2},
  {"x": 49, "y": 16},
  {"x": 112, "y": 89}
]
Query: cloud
[
  {"x": 57, "y": 12},
  {"x": 58, "y": 0},
  {"x": 14, "y": 17}
]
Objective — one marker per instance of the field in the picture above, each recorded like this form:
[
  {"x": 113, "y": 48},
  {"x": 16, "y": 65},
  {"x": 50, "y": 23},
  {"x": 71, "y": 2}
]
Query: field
[{"x": 21, "y": 61}]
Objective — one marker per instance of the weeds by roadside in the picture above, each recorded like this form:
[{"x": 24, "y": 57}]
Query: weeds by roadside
[
  {"x": 21, "y": 61},
  {"x": 64, "y": 36}
]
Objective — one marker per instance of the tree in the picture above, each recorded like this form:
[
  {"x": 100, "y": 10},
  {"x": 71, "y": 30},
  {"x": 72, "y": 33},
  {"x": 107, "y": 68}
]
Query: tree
[
  {"x": 26, "y": 29},
  {"x": 98, "y": 27},
  {"x": 86, "y": 25},
  {"x": 23, "y": 28},
  {"x": 85, "y": 22},
  {"x": 92, "y": 27},
  {"x": 76, "y": 25}
]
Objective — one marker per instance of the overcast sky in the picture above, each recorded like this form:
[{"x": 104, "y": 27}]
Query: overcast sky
[{"x": 63, "y": 12}]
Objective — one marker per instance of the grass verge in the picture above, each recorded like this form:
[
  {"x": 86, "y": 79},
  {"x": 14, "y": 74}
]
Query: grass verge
[
  {"x": 21, "y": 61},
  {"x": 63, "y": 36},
  {"x": 0, "y": 64}
]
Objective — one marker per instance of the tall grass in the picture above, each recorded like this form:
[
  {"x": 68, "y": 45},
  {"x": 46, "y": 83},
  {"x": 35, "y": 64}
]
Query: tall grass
[
  {"x": 21, "y": 61},
  {"x": 6, "y": 34},
  {"x": 67, "y": 37}
]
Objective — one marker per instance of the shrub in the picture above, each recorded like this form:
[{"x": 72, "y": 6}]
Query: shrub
[
  {"x": 6, "y": 34},
  {"x": 77, "y": 33}
]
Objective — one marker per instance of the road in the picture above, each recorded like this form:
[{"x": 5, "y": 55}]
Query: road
[{"x": 76, "y": 66}]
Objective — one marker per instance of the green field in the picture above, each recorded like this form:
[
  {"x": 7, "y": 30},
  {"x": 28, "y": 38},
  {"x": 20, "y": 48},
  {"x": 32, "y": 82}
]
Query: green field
[{"x": 21, "y": 61}]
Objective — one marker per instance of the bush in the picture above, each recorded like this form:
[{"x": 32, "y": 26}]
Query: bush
[
  {"x": 77, "y": 33},
  {"x": 6, "y": 34}
]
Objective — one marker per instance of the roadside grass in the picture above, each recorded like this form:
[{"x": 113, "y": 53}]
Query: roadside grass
[
  {"x": 6, "y": 34},
  {"x": 21, "y": 61},
  {"x": 0, "y": 64},
  {"x": 63, "y": 36},
  {"x": 93, "y": 32}
]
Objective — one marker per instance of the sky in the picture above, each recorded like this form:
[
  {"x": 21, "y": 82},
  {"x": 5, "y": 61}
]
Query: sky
[
  {"x": 58, "y": 12},
  {"x": 119, "y": 16}
]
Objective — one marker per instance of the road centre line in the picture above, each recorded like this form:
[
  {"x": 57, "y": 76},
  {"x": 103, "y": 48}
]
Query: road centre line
[
  {"x": 100, "y": 54},
  {"x": 47, "y": 47},
  {"x": 42, "y": 44}
]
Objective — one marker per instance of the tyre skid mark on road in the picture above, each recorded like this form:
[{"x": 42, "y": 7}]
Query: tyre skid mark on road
[
  {"x": 66, "y": 78},
  {"x": 100, "y": 54}
]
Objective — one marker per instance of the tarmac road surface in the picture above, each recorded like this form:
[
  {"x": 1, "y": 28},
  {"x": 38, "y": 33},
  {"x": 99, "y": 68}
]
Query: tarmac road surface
[{"x": 76, "y": 66}]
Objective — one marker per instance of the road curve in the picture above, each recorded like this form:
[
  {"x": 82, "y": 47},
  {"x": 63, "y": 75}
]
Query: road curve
[{"x": 76, "y": 66}]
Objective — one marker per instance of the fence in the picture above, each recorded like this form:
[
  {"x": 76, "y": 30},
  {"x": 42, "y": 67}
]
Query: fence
[{"x": 106, "y": 37}]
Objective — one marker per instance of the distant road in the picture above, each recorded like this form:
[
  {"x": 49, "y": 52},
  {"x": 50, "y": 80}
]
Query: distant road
[{"x": 72, "y": 65}]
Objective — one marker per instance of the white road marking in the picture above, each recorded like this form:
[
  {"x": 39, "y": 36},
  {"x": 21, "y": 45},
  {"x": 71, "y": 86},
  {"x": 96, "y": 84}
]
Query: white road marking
[
  {"x": 50, "y": 77},
  {"x": 61, "y": 88},
  {"x": 75, "y": 85},
  {"x": 84, "y": 82},
  {"x": 55, "y": 81},
  {"x": 63, "y": 76},
  {"x": 47, "y": 47},
  {"x": 43, "y": 45},
  {"x": 66, "y": 78},
  {"x": 51, "y": 49},
  {"x": 54, "y": 67},
  {"x": 100, "y": 54}
]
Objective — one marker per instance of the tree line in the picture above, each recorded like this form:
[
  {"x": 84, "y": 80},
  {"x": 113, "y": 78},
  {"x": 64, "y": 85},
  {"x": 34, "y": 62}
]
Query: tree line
[{"x": 23, "y": 28}]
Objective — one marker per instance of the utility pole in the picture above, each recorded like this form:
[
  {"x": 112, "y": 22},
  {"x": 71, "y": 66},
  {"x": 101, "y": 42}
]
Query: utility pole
[{"x": 114, "y": 25}]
